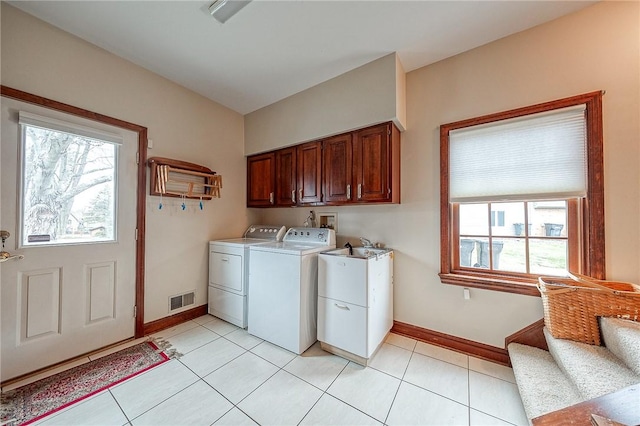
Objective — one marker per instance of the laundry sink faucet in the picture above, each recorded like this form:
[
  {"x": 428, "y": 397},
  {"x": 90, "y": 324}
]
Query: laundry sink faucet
[
  {"x": 350, "y": 247},
  {"x": 366, "y": 242}
]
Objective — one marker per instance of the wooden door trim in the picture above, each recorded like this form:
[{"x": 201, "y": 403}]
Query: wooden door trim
[{"x": 26, "y": 97}]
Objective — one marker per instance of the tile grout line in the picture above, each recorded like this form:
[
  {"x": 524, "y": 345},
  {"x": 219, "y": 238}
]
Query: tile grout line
[
  {"x": 401, "y": 380},
  {"x": 163, "y": 401},
  {"x": 120, "y": 407},
  {"x": 246, "y": 396},
  {"x": 478, "y": 410},
  {"x": 311, "y": 384},
  {"x": 492, "y": 376},
  {"x": 386, "y": 419},
  {"x": 345, "y": 402},
  {"x": 181, "y": 390},
  {"x": 259, "y": 386},
  {"x": 468, "y": 391},
  {"x": 323, "y": 391},
  {"x": 279, "y": 369}
]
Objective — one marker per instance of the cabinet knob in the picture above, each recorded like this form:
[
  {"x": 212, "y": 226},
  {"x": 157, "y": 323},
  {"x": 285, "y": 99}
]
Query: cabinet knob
[
  {"x": 343, "y": 307},
  {"x": 359, "y": 191},
  {"x": 300, "y": 195},
  {"x": 293, "y": 196},
  {"x": 271, "y": 197},
  {"x": 348, "y": 192}
]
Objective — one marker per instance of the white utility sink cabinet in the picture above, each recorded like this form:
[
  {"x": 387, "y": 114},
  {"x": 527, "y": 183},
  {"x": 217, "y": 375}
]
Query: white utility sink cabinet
[{"x": 355, "y": 301}]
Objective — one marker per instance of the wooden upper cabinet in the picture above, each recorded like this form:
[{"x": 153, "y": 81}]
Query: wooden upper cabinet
[
  {"x": 309, "y": 158},
  {"x": 286, "y": 194},
  {"x": 376, "y": 164},
  {"x": 362, "y": 166},
  {"x": 338, "y": 171},
  {"x": 261, "y": 180}
]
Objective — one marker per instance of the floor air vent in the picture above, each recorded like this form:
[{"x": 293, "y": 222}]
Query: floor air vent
[{"x": 181, "y": 300}]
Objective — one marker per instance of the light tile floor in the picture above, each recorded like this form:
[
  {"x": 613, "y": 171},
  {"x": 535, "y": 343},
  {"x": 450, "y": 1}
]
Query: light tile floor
[{"x": 229, "y": 377}]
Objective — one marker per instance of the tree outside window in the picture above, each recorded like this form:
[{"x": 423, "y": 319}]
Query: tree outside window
[{"x": 68, "y": 187}]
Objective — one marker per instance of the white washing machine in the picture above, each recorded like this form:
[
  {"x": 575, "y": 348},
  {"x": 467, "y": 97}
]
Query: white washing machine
[
  {"x": 229, "y": 272},
  {"x": 283, "y": 287}
]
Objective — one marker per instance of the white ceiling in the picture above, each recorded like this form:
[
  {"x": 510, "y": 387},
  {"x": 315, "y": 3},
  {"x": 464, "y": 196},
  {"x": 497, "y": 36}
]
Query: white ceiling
[{"x": 274, "y": 49}]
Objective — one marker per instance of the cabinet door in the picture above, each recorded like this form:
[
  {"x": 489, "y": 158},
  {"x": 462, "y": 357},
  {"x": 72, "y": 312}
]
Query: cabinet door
[
  {"x": 286, "y": 177},
  {"x": 261, "y": 175},
  {"x": 344, "y": 326},
  {"x": 338, "y": 173},
  {"x": 309, "y": 157},
  {"x": 372, "y": 164}
]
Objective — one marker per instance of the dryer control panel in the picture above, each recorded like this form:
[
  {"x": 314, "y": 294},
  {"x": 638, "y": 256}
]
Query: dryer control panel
[{"x": 265, "y": 232}]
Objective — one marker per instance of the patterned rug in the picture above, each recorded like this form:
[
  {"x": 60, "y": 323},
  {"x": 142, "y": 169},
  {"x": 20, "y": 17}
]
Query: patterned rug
[{"x": 34, "y": 401}]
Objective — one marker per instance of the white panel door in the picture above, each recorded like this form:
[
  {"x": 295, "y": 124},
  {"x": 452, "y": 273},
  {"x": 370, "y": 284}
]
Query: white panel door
[{"x": 64, "y": 300}]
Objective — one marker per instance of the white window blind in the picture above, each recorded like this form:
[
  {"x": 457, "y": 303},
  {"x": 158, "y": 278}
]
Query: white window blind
[
  {"x": 540, "y": 156},
  {"x": 26, "y": 118}
]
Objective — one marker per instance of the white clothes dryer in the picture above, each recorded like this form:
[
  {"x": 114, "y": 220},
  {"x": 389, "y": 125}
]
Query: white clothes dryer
[
  {"x": 283, "y": 287},
  {"x": 229, "y": 272}
]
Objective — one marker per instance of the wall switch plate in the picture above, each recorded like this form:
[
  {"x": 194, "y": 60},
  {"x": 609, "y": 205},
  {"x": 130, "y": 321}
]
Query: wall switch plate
[{"x": 467, "y": 294}]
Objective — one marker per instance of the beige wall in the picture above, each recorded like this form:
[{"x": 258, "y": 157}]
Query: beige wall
[
  {"x": 595, "y": 49},
  {"x": 401, "y": 95},
  {"x": 367, "y": 95},
  {"x": 45, "y": 61}
]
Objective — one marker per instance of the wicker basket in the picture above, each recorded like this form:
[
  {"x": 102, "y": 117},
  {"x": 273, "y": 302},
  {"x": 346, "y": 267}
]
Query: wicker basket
[{"x": 572, "y": 305}]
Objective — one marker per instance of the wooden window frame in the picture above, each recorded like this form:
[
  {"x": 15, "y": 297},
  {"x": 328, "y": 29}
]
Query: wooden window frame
[{"x": 585, "y": 216}]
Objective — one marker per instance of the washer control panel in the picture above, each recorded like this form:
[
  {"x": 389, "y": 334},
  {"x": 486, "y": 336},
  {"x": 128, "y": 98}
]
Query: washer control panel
[{"x": 320, "y": 236}]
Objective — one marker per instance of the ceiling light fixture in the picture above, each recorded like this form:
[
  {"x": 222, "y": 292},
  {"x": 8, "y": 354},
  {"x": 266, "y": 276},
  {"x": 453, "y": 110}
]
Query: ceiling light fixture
[{"x": 223, "y": 10}]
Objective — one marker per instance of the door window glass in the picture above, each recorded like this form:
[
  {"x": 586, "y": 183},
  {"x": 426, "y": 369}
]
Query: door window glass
[{"x": 68, "y": 187}]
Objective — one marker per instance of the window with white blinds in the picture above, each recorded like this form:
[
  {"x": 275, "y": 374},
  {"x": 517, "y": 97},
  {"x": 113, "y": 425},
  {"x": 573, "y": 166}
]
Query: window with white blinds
[
  {"x": 536, "y": 157},
  {"x": 522, "y": 195},
  {"x": 49, "y": 123}
]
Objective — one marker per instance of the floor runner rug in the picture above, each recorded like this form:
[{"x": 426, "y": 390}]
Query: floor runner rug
[{"x": 36, "y": 400}]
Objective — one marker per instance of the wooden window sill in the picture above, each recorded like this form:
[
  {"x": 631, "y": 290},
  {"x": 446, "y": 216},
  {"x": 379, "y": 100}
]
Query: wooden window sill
[{"x": 492, "y": 282}]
